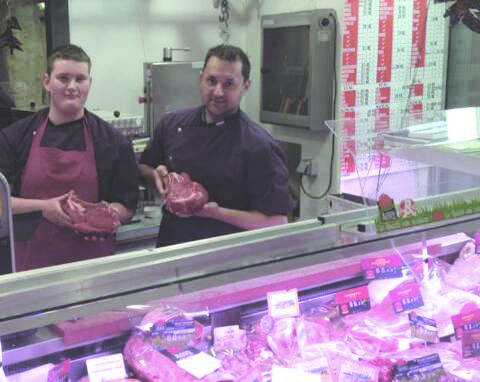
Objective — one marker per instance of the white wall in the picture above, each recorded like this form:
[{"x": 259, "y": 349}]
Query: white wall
[{"x": 120, "y": 35}]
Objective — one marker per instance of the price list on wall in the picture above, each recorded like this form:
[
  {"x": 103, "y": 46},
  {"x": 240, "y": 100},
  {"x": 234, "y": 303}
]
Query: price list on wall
[{"x": 393, "y": 67}]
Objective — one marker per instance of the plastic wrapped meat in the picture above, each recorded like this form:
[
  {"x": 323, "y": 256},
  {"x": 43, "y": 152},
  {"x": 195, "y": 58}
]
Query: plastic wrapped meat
[
  {"x": 183, "y": 196},
  {"x": 148, "y": 363},
  {"x": 463, "y": 274},
  {"x": 283, "y": 339},
  {"x": 313, "y": 332},
  {"x": 236, "y": 366},
  {"x": 457, "y": 368}
]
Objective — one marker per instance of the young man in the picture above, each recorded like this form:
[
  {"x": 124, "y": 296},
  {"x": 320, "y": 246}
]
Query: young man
[
  {"x": 238, "y": 162},
  {"x": 60, "y": 149}
]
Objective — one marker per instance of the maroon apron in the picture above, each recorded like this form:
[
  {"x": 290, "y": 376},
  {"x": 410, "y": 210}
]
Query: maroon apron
[{"x": 51, "y": 172}]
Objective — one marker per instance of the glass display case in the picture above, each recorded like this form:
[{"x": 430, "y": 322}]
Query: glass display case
[
  {"x": 99, "y": 308},
  {"x": 371, "y": 292},
  {"x": 424, "y": 163}
]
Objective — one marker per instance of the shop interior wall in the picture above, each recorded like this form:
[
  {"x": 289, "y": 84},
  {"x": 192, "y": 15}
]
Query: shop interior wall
[{"x": 121, "y": 35}]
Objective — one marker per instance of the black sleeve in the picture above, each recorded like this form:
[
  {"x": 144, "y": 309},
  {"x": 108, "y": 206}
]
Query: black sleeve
[
  {"x": 153, "y": 155},
  {"x": 125, "y": 178},
  {"x": 15, "y": 143},
  {"x": 268, "y": 181},
  {"x": 7, "y": 156}
]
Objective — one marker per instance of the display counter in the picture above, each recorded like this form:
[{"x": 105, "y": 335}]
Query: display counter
[
  {"x": 371, "y": 292},
  {"x": 88, "y": 309}
]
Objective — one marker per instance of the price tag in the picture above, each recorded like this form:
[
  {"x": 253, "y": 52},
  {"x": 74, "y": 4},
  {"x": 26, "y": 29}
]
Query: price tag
[
  {"x": 423, "y": 328},
  {"x": 353, "y": 300},
  {"x": 283, "y": 374},
  {"x": 384, "y": 267},
  {"x": 172, "y": 333},
  {"x": 229, "y": 338},
  {"x": 199, "y": 365},
  {"x": 318, "y": 366},
  {"x": 407, "y": 296},
  {"x": 283, "y": 303},
  {"x": 105, "y": 368},
  {"x": 357, "y": 371},
  {"x": 471, "y": 344},
  {"x": 428, "y": 368},
  {"x": 466, "y": 322}
]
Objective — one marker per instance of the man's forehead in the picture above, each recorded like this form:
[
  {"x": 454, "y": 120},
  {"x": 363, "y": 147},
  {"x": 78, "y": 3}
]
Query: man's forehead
[
  {"x": 224, "y": 69},
  {"x": 61, "y": 62}
]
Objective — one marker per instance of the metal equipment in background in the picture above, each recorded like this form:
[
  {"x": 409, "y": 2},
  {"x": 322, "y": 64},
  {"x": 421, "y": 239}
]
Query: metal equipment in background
[
  {"x": 169, "y": 86},
  {"x": 7, "y": 260},
  {"x": 298, "y": 68}
]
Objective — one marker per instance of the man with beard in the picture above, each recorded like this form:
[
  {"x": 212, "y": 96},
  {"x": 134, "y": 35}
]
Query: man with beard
[{"x": 219, "y": 146}]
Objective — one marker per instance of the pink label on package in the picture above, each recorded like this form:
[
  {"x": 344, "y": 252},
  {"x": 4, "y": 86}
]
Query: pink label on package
[
  {"x": 471, "y": 344},
  {"x": 353, "y": 300},
  {"x": 406, "y": 297},
  {"x": 384, "y": 267},
  {"x": 229, "y": 338},
  {"x": 466, "y": 322}
]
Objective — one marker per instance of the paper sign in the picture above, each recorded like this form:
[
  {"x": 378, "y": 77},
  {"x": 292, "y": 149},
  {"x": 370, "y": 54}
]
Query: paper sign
[
  {"x": 471, "y": 344},
  {"x": 406, "y": 297},
  {"x": 384, "y": 267},
  {"x": 283, "y": 303},
  {"x": 283, "y": 374},
  {"x": 356, "y": 371},
  {"x": 318, "y": 366},
  {"x": 200, "y": 364},
  {"x": 353, "y": 300},
  {"x": 172, "y": 333},
  {"x": 428, "y": 368},
  {"x": 229, "y": 338},
  {"x": 423, "y": 327},
  {"x": 465, "y": 322},
  {"x": 105, "y": 368}
]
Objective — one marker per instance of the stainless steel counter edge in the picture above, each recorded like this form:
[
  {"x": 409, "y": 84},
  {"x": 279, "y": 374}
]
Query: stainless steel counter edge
[{"x": 43, "y": 296}]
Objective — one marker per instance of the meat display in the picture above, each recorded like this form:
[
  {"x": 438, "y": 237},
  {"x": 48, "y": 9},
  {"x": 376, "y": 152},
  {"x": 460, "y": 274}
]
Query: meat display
[
  {"x": 377, "y": 345},
  {"x": 184, "y": 196},
  {"x": 97, "y": 219},
  {"x": 142, "y": 356}
]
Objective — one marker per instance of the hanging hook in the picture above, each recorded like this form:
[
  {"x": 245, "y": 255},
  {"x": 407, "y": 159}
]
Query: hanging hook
[{"x": 223, "y": 19}]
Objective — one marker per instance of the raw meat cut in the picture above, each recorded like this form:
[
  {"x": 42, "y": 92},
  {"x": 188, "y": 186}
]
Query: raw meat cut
[
  {"x": 149, "y": 364},
  {"x": 145, "y": 360},
  {"x": 183, "y": 196},
  {"x": 90, "y": 218}
]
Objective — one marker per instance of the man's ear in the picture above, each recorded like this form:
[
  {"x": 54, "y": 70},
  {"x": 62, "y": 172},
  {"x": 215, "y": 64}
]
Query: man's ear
[
  {"x": 46, "y": 80},
  {"x": 246, "y": 84}
]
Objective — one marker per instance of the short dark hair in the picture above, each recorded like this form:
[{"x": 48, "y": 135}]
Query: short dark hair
[
  {"x": 68, "y": 52},
  {"x": 232, "y": 54}
]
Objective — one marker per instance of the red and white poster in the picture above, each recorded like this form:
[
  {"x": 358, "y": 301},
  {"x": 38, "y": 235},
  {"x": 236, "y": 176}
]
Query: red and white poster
[{"x": 393, "y": 65}]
